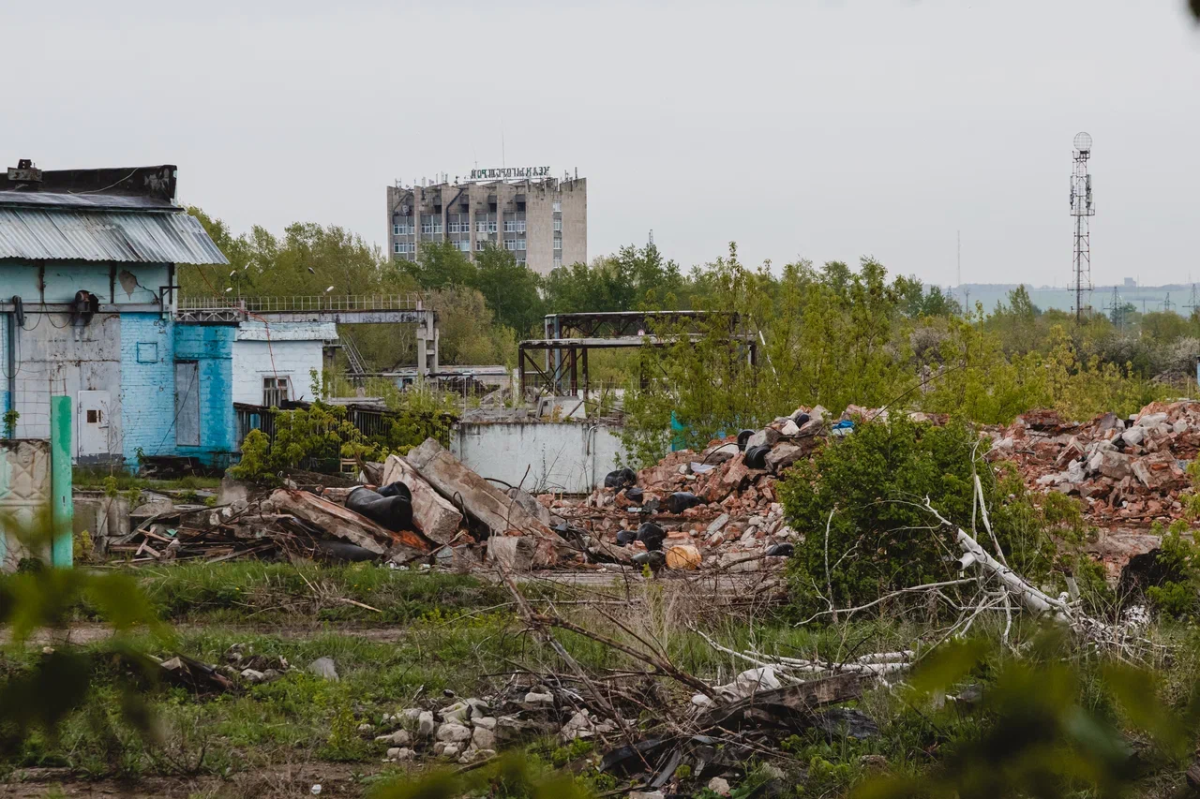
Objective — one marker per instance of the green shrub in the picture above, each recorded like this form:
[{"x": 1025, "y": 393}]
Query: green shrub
[
  {"x": 869, "y": 489},
  {"x": 1178, "y": 563}
]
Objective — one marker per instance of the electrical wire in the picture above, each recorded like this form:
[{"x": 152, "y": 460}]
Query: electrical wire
[{"x": 106, "y": 188}]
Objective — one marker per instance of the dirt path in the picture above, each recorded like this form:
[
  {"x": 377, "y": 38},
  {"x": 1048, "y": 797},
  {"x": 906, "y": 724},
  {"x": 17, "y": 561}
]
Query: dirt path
[
  {"x": 86, "y": 633},
  {"x": 275, "y": 782}
]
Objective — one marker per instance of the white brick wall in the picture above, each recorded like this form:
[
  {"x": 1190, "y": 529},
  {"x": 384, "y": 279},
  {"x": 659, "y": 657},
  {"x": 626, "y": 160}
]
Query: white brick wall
[{"x": 252, "y": 361}]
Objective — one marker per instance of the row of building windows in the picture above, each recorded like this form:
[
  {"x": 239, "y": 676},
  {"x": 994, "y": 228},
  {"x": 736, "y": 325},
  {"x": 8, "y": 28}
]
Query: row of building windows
[
  {"x": 434, "y": 225},
  {"x": 403, "y": 247}
]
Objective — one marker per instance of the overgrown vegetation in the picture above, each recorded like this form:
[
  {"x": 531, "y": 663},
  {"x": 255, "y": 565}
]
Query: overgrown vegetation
[
  {"x": 860, "y": 505},
  {"x": 319, "y": 436},
  {"x": 833, "y": 336}
]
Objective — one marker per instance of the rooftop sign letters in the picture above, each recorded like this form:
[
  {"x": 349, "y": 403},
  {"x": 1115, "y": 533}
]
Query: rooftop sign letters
[{"x": 510, "y": 173}]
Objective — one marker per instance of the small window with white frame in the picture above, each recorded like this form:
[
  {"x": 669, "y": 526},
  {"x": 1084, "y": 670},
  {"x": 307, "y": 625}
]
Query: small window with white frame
[
  {"x": 520, "y": 244},
  {"x": 557, "y": 262},
  {"x": 557, "y": 225},
  {"x": 558, "y": 242},
  {"x": 276, "y": 391},
  {"x": 558, "y": 206}
]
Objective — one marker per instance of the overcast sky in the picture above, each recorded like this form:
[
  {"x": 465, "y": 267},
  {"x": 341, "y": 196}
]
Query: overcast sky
[{"x": 824, "y": 130}]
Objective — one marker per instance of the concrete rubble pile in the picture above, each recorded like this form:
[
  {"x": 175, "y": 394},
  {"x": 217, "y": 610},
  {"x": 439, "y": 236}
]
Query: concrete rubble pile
[
  {"x": 752, "y": 715},
  {"x": 1128, "y": 472},
  {"x": 467, "y": 730}
]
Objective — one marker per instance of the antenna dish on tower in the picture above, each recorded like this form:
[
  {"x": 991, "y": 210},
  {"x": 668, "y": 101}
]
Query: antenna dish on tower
[{"x": 1083, "y": 142}]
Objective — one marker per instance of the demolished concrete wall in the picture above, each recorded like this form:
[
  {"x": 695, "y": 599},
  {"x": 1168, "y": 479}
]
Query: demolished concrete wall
[{"x": 567, "y": 457}]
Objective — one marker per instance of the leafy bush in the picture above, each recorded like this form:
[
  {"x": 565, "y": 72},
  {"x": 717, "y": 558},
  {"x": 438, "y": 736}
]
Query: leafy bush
[
  {"x": 1178, "y": 562},
  {"x": 869, "y": 489}
]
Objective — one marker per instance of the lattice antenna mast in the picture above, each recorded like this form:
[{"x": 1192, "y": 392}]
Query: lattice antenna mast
[{"x": 1082, "y": 209}]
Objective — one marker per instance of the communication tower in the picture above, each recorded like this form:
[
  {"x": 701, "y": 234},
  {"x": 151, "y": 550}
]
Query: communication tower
[{"x": 1082, "y": 209}]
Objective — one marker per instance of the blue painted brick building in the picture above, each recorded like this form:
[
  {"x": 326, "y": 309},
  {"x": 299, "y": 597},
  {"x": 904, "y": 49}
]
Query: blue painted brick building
[{"x": 87, "y": 300}]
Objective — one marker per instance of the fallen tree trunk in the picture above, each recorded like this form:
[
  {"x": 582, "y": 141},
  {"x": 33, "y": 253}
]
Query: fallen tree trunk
[
  {"x": 1034, "y": 600},
  {"x": 433, "y": 515}
]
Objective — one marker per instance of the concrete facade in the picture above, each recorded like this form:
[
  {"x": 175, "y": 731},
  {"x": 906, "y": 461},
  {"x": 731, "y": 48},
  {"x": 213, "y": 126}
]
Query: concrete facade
[
  {"x": 24, "y": 493},
  {"x": 570, "y": 457},
  {"x": 542, "y": 222},
  {"x": 291, "y": 350}
]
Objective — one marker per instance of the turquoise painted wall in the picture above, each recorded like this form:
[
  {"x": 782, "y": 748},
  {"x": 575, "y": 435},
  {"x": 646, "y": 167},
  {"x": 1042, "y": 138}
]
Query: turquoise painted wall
[
  {"x": 147, "y": 385},
  {"x": 211, "y": 346}
]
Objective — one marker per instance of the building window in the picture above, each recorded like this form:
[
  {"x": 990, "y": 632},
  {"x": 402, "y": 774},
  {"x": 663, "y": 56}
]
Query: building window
[
  {"x": 396, "y": 248},
  {"x": 557, "y": 225},
  {"x": 558, "y": 242},
  {"x": 510, "y": 244},
  {"x": 396, "y": 230},
  {"x": 514, "y": 225},
  {"x": 464, "y": 245},
  {"x": 275, "y": 391},
  {"x": 404, "y": 247},
  {"x": 557, "y": 207},
  {"x": 557, "y": 262},
  {"x": 485, "y": 226},
  {"x": 480, "y": 245},
  {"x": 521, "y": 244}
]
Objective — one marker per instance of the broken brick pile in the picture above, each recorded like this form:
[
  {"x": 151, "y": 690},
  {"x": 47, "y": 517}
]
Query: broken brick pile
[
  {"x": 737, "y": 519},
  {"x": 1128, "y": 472}
]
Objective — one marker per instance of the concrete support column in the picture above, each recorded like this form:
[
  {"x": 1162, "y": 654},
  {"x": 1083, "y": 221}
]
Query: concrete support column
[
  {"x": 62, "y": 508},
  {"x": 427, "y": 344}
]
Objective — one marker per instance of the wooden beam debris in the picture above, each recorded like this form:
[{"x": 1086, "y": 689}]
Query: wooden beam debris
[{"x": 348, "y": 525}]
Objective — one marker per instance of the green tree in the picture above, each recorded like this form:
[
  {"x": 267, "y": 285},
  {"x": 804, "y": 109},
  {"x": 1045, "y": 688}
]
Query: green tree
[{"x": 511, "y": 290}]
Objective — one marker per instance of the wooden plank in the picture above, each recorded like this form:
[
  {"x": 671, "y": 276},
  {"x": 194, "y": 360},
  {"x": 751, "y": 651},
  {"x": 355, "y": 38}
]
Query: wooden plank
[{"x": 433, "y": 515}]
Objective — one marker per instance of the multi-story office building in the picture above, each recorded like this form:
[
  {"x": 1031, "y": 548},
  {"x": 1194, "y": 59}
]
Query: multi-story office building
[{"x": 540, "y": 219}]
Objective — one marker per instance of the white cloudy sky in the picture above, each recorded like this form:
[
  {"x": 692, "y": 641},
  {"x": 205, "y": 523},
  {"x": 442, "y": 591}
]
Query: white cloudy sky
[{"x": 807, "y": 128}]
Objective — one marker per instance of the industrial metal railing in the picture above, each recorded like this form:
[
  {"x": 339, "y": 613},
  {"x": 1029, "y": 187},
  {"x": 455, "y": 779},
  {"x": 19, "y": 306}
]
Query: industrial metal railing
[{"x": 320, "y": 302}]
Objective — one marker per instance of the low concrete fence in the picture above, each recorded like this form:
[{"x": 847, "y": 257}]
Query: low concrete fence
[{"x": 568, "y": 457}]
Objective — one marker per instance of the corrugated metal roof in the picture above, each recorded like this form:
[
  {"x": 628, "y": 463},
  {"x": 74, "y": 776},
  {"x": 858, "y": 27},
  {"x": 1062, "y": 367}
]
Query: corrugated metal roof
[{"x": 124, "y": 236}]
